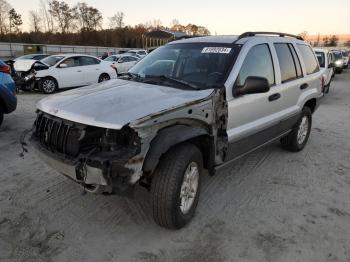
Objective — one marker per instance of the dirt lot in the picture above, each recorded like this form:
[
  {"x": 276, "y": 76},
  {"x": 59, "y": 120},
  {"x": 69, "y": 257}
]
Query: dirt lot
[{"x": 269, "y": 206}]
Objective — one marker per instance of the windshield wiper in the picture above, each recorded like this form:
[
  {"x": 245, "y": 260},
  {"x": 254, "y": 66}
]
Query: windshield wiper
[{"x": 174, "y": 80}]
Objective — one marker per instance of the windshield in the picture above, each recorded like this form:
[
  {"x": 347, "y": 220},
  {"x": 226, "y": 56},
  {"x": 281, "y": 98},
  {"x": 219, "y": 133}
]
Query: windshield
[
  {"x": 111, "y": 58},
  {"x": 200, "y": 65},
  {"x": 52, "y": 60},
  {"x": 321, "y": 58}
]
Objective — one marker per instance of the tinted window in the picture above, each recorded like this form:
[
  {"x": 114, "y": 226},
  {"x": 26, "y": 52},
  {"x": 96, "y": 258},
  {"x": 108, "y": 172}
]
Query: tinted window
[
  {"x": 321, "y": 58},
  {"x": 86, "y": 60},
  {"x": 296, "y": 61},
  {"x": 71, "y": 61},
  {"x": 258, "y": 62},
  {"x": 111, "y": 58},
  {"x": 132, "y": 59},
  {"x": 309, "y": 59},
  {"x": 286, "y": 61},
  {"x": 124, "y": 59},
  {"x": 52, "y": 60}
]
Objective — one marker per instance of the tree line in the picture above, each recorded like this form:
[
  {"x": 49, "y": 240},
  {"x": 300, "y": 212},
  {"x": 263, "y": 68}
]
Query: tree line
[{"x": 57, "y": 22}]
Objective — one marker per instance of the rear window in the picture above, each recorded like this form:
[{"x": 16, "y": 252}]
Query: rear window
[
  {"x": 286, "y": 61},
  {"x": 309, "y": 59},
  {"x": 321, "y": 58}
]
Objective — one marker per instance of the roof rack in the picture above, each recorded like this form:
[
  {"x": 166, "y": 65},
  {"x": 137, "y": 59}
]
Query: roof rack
[{"x": 250, "y": 34}]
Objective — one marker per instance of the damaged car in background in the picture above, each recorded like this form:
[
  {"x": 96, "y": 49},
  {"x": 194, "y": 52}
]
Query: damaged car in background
[{"x": 190, "y": 105}]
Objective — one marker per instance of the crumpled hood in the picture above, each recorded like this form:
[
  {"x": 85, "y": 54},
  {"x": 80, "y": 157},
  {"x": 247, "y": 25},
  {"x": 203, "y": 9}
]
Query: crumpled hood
[
  {"x": 24, "y": 65},
  {"x": 115, "y": 103}
]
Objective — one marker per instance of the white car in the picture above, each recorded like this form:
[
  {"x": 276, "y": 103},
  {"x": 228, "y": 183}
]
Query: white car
[
  {"x": 141, "y": 53},
  {"x": 72, "y": 70},
  {"x": 122, "y": 63},
  {"x": 326, "y": 62}
]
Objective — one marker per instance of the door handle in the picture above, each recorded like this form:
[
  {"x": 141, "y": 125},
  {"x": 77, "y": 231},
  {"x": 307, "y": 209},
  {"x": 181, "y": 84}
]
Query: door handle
[
  {"x": 304, "y": 86},
  {"x": 274, "y": 97},
  {"x": 79, "y": 71}
]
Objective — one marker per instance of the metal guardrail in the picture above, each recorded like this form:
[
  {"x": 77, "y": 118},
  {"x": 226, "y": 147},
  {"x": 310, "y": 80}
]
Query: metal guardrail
[{"x": 12, "y": 50}]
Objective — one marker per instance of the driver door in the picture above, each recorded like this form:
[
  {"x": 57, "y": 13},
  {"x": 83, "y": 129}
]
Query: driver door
[
  {"x": 71, "y": 75},
  {"x": 252, "y": 118}
]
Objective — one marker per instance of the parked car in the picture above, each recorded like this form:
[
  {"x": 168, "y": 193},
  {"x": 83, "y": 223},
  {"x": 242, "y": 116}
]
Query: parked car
[
  {"x": 8, "y": 99},
  {"x": 122, "y": 63},
  {"x": 193, "y": 104},
  {"x": 72, "y": 70},
  {"x": 338, "y": 61},
  {"x": 140, "y": 53},
  {"x": 37, "y": 57},
  {"x": 346, "y": 58},
  {"x": 327, "y": 67}
]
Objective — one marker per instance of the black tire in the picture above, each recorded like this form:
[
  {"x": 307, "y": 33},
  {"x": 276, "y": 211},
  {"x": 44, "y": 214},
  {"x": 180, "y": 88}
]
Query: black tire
[
  {"x": 291, "y": 141},
  {"x": 48, "y": 85},
  {"x": 167, "y": 183},
  {"x": 103, "y": 77}
]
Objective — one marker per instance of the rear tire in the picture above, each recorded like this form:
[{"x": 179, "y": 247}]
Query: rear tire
[
  {"x": 176, "y": 185},
  {"x": 296, "y": 140},
  {"x": 48, "y": 85},
  {"x": 103, "y": 78}
]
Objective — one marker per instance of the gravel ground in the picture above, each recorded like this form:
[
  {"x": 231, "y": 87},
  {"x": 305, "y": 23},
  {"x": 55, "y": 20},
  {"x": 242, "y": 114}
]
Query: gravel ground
[{"x": 269, "y": 206}]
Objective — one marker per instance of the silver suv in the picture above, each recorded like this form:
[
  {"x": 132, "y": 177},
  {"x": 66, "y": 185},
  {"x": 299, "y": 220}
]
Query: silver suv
[{"x": 190, "y": 105}]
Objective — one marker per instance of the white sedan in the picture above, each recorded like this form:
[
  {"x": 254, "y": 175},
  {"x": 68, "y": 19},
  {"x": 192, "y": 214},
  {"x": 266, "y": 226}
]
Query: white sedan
[
  {"x": 72, "y": 70},
  {"x": 122, "y": 63}
]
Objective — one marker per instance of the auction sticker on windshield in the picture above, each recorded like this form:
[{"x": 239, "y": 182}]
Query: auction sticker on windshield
[{"x": 216, "y": 50}]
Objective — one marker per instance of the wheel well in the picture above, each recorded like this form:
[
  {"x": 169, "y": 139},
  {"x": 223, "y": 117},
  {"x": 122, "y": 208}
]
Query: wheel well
[
  {"x": 104, "y": 74},
  {"x": 311, "y": 104},
  {"x": 206, "y": 145}
]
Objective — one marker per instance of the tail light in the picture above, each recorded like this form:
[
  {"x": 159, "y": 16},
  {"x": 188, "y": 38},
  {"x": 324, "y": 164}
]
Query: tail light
[{"x": 5, "y": 69}]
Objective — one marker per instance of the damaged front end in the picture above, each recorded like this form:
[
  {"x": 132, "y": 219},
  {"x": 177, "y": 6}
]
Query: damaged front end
[{"x": 100, "y": 159}]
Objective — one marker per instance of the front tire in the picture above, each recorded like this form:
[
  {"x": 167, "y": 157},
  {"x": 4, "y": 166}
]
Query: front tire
[
  {"x": 296, "y": 140},
  {"x": 176, "y": 185},
  {"x": 48, "y": 85}
]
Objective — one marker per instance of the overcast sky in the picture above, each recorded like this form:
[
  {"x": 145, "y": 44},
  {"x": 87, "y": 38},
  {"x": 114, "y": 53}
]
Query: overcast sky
[{"x": 225, "y": 16}]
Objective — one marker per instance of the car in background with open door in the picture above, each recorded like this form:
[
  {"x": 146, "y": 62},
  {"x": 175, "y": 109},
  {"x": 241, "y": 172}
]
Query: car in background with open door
[
  {"x": 324, "y": 58},
  {"x": 122, "y": 63}
]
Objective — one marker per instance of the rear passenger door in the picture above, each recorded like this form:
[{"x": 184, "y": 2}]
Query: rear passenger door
[
  {"x": 290, "y": 84},
  {"x": 91, "y": 69}
]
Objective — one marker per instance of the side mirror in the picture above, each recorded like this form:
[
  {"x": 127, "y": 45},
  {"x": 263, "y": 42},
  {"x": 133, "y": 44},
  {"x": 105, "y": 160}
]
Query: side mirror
[
  {"x": 63, "y": 65},
  {"x": 252, "y": 85},
  {"x": 331, "y": 65}
]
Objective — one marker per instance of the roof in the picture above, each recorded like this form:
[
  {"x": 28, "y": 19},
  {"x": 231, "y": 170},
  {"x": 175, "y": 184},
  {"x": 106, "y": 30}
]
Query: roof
[
  {"x": 209, "y": 39},
  {"x": 165, "y": 34}
]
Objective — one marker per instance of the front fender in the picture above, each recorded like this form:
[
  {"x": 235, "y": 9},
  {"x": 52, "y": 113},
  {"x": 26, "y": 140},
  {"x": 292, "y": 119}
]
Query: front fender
[{"x": 167, "y": 138}]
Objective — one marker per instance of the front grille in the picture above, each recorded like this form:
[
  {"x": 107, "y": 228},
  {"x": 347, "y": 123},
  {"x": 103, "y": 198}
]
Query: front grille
[{"x": 65, "y": 137}]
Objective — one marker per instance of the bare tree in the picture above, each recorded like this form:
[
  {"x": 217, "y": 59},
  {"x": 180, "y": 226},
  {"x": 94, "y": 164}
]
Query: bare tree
[
  {"x": 63, "y": 14},
  {"x": 347, "y": 43},
  {"x": 174, "y": 22},
  {"x": 117, "y": 21},
  {"x": 35, "y": 21},
  {"x": 15, "y": 20},
  {"x": 46, "y": 15},
  {"x": 89, "y": 18},
  {"x": 4, "y": 16}
]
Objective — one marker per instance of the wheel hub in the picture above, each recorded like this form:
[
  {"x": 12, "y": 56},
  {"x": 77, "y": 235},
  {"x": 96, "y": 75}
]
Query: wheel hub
[
  {"x": 189, "y": 187},
  {"x": 303, "y": 129}
]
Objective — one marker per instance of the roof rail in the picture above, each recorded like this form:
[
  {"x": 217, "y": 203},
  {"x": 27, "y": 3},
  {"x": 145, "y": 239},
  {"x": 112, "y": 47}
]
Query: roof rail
[{"x": 250, "y": 34}]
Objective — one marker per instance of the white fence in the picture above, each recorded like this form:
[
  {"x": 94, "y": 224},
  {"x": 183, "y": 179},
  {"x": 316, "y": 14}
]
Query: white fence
[{"x": 12, "y": 50}]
